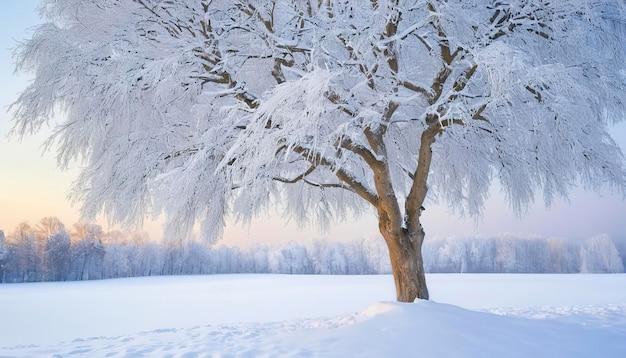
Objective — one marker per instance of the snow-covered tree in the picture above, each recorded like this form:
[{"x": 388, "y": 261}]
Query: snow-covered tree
[
  {"x": 291, "y": 258},
  {"x": 599, "y": 255},
  {"x": 87, "y": 251},
  {"x": 55, "y": 243},
  {"x": 27, "y": 254},
  {"x": 48, "y": 226},
  {"x": 201, "y": 109},
  {"x": 331, "y": 258},
  {"x": 58, "y": 255},
  {"x": 4, "y": 253}
]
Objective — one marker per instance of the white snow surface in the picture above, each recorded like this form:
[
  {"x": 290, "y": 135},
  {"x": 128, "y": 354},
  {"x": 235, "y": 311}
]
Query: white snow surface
[{"x": 469, "y": 315}]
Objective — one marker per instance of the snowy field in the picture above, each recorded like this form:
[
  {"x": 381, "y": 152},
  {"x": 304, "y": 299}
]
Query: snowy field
[{"x": 470, "y": 315}]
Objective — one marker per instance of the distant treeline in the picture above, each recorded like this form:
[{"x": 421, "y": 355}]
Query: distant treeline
[
  {"x": 50, "y": 252},
  {"x": 510, "y": 254}
]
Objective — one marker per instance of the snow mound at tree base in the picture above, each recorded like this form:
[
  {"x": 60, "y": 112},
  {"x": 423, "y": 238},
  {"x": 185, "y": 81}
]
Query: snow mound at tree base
[
  {"x": 433, "y": 329},
  {"x": 386, "y": 329}
]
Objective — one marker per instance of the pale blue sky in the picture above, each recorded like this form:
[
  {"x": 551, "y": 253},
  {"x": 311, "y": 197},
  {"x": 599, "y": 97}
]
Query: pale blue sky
[{"x": 31, "y": 187}]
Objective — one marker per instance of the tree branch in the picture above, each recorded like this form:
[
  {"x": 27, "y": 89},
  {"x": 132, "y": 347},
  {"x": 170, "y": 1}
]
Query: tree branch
[
  {"x": 419, "y": 188},
  {"x": 361, "y": 151},
  {"x": 421, "y": 90},
  {"x": 357, "y": 187},
  {"x": 297, "y": 178}
]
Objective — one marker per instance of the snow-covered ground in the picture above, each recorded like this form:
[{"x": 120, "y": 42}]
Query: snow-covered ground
[{"x": 470, "y": 315}]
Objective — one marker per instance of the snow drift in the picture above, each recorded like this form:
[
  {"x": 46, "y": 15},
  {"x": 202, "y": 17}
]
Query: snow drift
[{"x": 328, "y": 316}]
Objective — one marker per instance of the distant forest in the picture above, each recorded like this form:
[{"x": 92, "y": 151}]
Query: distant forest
[{"x": 49, "y": 251}]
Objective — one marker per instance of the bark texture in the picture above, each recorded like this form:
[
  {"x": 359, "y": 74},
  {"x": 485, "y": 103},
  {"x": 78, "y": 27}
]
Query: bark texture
[{"x": 408, "y": 267}]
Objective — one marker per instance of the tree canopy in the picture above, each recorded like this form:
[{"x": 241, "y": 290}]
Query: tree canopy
[{"x": 203, "y": 109}]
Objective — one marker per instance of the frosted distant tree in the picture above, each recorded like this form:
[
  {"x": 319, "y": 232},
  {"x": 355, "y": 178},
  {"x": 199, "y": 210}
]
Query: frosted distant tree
[
  {"x": 87, "y": 251},
  {"x": 203, "y": 109},
  {"x": 58, "y": 255},
  {"x": 4, "y": 254},
  {"x": 332, "y": 259},
  {"x": 51, "y": 236},
  {"x": 152, "y": 259},
  {"x": 599, "y": 255},
  {"x": 27, "y": 252},
  {"x": 48, "y": 226},
  {"x": 260, "y": 260},
  {"x": 195, "y": 258},
  {"x": 291, "y": 259}
]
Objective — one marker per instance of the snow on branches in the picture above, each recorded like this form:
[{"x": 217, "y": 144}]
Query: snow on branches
[{"x": 202, "y": 109}]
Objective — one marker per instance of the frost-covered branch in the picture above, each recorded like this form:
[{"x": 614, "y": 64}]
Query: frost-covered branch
[{"x": 349, "y": 179}]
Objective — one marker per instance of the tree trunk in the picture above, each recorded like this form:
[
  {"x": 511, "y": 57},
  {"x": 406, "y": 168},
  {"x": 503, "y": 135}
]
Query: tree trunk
[
  {"x": 402, "y": 231},
  {"x": 405, "y": 240},
  {"x": 407, "y": 265}
]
